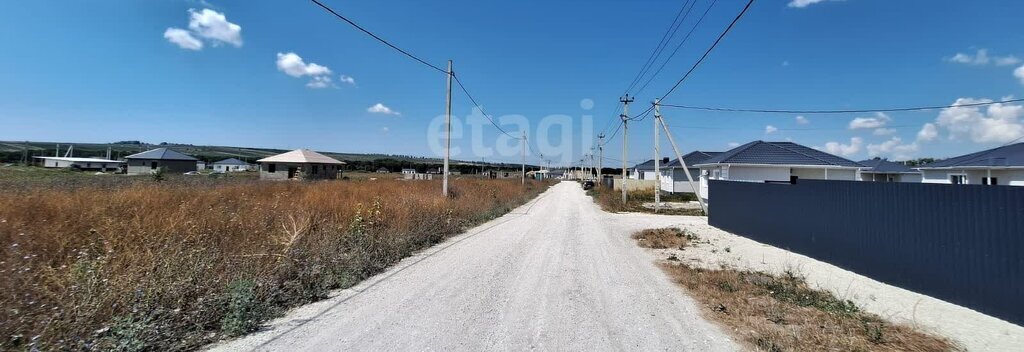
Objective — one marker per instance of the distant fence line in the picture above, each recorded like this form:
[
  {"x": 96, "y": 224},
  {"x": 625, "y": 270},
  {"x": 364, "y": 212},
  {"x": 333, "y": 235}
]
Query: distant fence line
[{"x": 960, "y": 243}]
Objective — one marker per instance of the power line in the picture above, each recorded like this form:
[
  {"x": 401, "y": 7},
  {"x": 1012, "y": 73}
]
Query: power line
[
  {"x": 665, "y": 39},
  {"x": 838, "y": 111},
  {"x": 470, "y": 96},
  {"x": 678, "y": 46},
  {"x": 708, "y": 52}
]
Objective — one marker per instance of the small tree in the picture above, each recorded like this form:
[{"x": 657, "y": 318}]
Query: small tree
[{"x": 159, "y": 174}]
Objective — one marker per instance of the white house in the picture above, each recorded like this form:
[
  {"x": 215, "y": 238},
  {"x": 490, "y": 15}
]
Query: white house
[
  {"x": 999, "y": 166},
  {"x": 673, "y": 175},
  {"x": 760, "y": 161},
  {"x": 644, "y": 170},
  {"x": 80, "y": 163},
  {"x": 231, "y": 165},
  {"x": 881, "y": 170}
]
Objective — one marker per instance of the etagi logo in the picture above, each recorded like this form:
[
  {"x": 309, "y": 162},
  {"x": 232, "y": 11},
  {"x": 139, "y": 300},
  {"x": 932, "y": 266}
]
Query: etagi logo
[{"x": 555, "y": 138}]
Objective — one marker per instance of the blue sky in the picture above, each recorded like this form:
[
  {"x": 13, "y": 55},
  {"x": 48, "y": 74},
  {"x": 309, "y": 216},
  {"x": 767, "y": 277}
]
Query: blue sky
[{"x": 102, "y": 71}]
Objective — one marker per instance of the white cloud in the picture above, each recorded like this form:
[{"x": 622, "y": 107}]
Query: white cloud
[
  {"x": 183, "y": 39},
  {"x": 996, "y": 123},
  {"x": 381, "y": 109},
  {"x": 803, "y": 3},
  {"x": 878, "y": 121},
  {"x": 845, "y": 149},
  {"x": 214, "y": 26},
  {"x": 928, "y": 132},
  {"x": 320, "y": 82},
  {"x": 1019, "y": 73},
  {"x": 733, "y": 144},
  {"x": 385, "y": 129},
  {"x": 981, "y": 58},
  {"x": 1007, "y": 60},
  {"x": 347, "y": 79},
  {"x": 293, "y": 65},
  {"x": 800, "y": 120},
  {"x": 893, "y": 148},
  {"x": 883, "y": 131},
  {"x": 770, "y": 129}
]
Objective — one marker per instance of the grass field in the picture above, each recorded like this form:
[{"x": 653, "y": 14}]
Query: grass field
[
  {"x": 174, "y": 265},
  {"x": 611, "y": 200}
]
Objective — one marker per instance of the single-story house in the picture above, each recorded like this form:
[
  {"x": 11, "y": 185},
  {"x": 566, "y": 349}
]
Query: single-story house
[
  {"x": 644, "y": 170},
  {"x": 673, "y": 175},
  {"x": 231, "y": 165},
  {"x": 300, "y": 164},
  {"x": 149, "y": 161},
  {"x": 382, "y": 170},
  {"x": 761, "y": 161},
  {"x": 881, "y": 170},
  {"x": 998, "y": 166},
  {"x": 408, "y": 171},
  {"x": 80, "y": 163}
]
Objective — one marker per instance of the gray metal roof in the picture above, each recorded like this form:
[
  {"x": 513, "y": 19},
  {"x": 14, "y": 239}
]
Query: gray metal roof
[
  {"x": 779, "y": 153},
  {"x": 882, "y": 166},
  {"x": 1005, "y": 156},
  {"x": 230, "y": 161},
  {"x": 693, "y": 158},
  {"x": 160, "y": 154}
]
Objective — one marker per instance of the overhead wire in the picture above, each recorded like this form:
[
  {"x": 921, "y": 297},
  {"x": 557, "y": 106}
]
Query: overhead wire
[
  {"x": 665, "y": 39},
  {"x": 678, "y": 46}
]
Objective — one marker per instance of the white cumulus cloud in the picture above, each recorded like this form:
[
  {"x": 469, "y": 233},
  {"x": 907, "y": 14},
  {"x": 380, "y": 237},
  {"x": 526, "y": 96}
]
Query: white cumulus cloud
[
  {"x": 893, "y": 148},
  {"x": 1019, "y": 73},
  {"x": 382, "y": 109},
  {"x": 981, "y": 58},
  {"x": 347, "y": 79},
  {"x": 320, "y": 82},
  {"x": 928, "y": 132},
  {"x": 214, "y": 26},
  {"x": 996, "y": 123},
  {"x": 293, "y": 65},
  {"x": 883, "y": 131},
  {"x": 877, "y": 121},
  {"x": 183, "y": 39},
  {"x": 770, "y": 129},
  {"x": 1007, "y": 60},
  {"x": 800, "y": 120},
  {"x": 803, "y": 3},
  {"x": 838, "y": 148}
]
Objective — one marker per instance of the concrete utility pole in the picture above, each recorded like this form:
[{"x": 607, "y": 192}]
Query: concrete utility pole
[
  {"x": 600, "y": 158},
  {"x": 625, "y": 100},
  {"x": 524, "y": 158},
  {"x": 657, "y": 159},
  {"x": 447, "y": 131},
  {"x": 682, "y": 163}
]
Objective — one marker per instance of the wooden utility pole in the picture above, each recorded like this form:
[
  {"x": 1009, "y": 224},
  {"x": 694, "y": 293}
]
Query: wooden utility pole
[
  {"x": 682, "y": 163},
  {"x": 657, "y": 159},
  {"x": 625, "y": 100},
  {"x": 447, "y": 131}
]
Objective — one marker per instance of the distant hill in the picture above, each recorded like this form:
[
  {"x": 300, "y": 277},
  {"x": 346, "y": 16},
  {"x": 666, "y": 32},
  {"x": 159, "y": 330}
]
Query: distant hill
[{"x": 13, "y": 152}]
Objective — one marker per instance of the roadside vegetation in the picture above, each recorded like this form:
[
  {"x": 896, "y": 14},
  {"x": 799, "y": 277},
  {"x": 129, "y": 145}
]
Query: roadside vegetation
[
  {"x": 175, "y": 265},
  {"x": 611, "y": 201},
  {"x": 783, "y": 313}
]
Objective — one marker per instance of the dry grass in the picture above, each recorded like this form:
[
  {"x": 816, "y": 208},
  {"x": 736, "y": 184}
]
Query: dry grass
[
  {"x": 773, "y": 313},
  {"x": 611, "y": 201},
  {"x": 169, "y": 267},
  {"x": 669, "y": 237}
]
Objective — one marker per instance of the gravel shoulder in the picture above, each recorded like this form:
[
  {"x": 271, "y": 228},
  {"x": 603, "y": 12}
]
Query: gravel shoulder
[
  {"x": 973, "y": 330},
  {"x": 555, "y": 274}
]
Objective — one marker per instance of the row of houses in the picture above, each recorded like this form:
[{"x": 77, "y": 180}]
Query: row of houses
[
  {"x": 761, "y": 161},
  {"x": 296, "y": 164}
]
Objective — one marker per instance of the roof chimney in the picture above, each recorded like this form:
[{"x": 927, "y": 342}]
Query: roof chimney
[{"x": 664, "y": 160}]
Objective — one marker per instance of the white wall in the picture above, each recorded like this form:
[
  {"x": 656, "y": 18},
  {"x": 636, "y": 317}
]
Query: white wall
[
  {"x": 758, "y": 173},
  {"x": 1013, "y": 177}
]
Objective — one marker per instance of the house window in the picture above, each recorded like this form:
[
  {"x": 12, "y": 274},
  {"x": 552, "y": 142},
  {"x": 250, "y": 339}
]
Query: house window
[
  {"x": 958, "y": 179},
  {"x": 152, "y": 165},
  {"x": 271, "y": 168},
  {"x": 991, "y": 181}
]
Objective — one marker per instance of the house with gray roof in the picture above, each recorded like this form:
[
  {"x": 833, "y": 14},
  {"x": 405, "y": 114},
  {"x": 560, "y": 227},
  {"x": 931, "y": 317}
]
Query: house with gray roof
[
  {"x": 997, "y": 166},
  {"x": 881, "y": 170},
  {"x": 231, "y": 165},
  {"x": 673, "y": 174},
  {"x": 644, "y": 170},
  {"x": 761, "y": 161},
  {"x": 149, "y": 161}
]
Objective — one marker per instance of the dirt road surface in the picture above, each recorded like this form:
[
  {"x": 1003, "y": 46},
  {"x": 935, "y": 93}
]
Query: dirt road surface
[{"x": 555, "y": 274}]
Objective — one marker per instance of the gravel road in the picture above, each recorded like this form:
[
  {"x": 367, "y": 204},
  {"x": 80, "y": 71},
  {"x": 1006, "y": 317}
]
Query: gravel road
[{"x": 554, "y": 274}]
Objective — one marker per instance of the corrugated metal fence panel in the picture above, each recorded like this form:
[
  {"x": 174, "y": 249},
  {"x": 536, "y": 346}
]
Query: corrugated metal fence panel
[{"x": 959, "y": 243}]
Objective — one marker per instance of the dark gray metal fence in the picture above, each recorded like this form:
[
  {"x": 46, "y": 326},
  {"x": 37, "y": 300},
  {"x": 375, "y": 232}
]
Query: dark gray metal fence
[{"x": 959, "y": 243}]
